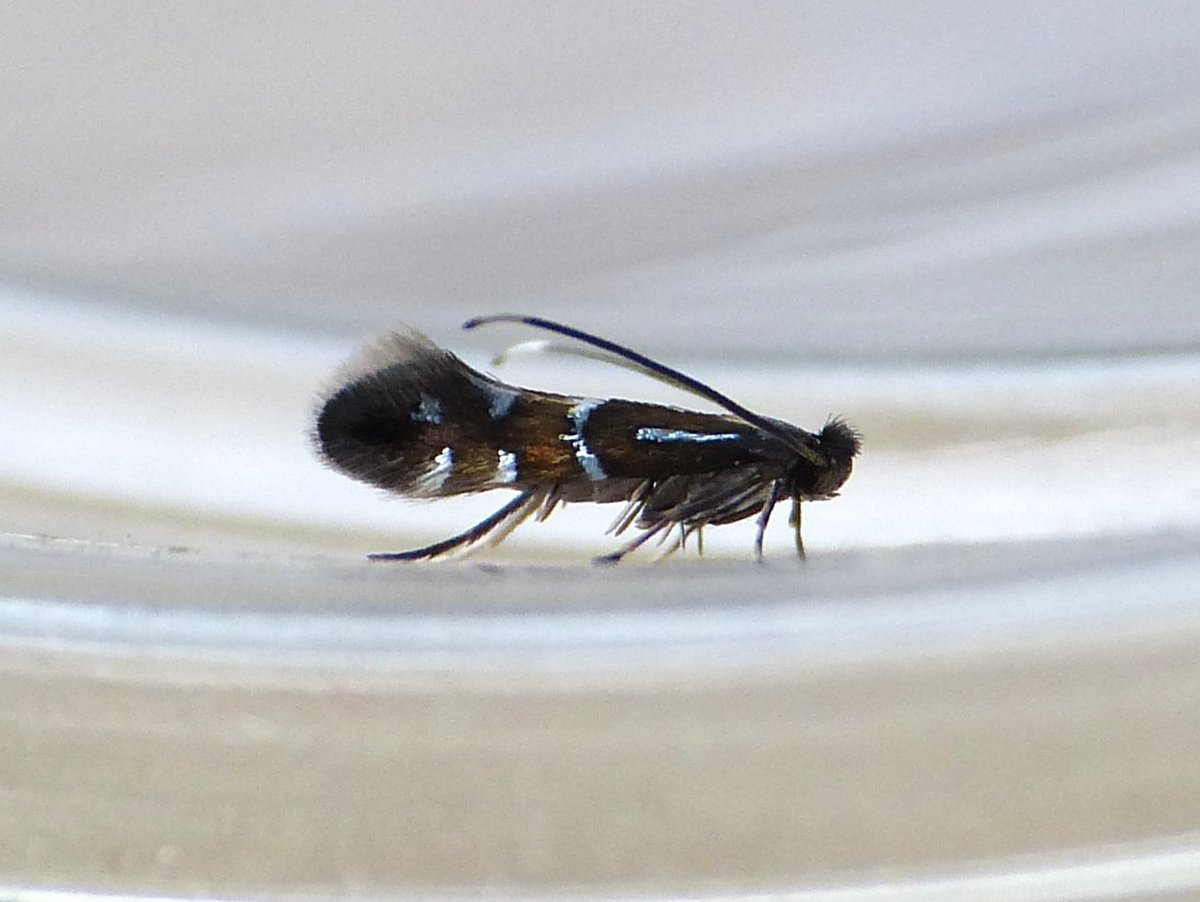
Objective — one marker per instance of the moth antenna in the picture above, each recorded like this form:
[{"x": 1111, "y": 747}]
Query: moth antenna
[
  {"x": 642, "y": 363},
  {"x": 546, "y": 346}
]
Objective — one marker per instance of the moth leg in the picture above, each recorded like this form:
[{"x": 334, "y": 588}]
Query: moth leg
[
  {"x": 633, "y": 507},
  {"x": 794, "y": 520},
  {"x": 549, "y": 503},
  {"x": 764, "y": 516},
  {"x": 616, "y": 556},
  {"x": 474, "y": 534},
  {"x": 662, "y": 537},
  {"x": 686, "y": 532},
  {"x": 520, "y": 515},
  {"x": 680, "y": 540}
]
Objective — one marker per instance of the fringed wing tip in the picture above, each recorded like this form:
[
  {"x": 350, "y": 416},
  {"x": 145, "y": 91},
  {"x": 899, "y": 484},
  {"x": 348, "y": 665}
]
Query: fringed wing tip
[
  {"x": 400, "y": 346},
  {"x": 396, "y": 347}
]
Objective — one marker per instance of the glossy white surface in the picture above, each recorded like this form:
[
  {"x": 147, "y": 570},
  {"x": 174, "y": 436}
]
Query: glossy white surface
[{"x": 973, "y": 234}]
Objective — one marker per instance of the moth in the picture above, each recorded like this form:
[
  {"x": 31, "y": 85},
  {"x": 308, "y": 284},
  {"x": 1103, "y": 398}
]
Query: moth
[{"x": 412, "y": 418}]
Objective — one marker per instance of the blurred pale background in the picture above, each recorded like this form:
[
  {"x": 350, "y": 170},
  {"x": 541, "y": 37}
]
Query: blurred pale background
[{"x": 972, "y": 230}]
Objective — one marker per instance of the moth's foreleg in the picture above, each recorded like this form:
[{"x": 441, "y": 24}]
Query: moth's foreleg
[
  {"x": 794, "y": 520},
  {"x": 764, "y": 517},
  {"x": 474, "y": 534}
]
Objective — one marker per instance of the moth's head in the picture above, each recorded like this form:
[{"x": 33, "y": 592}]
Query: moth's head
[{"x": 835, "y": 447}]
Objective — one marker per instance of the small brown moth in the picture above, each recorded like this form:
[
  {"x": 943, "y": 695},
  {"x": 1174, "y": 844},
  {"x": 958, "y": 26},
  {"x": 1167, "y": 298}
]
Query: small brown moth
[{"x": 414, "y": 419}]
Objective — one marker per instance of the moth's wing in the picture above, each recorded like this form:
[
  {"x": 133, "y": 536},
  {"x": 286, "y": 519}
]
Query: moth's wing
[
  {"x": 639, "y": 440},
  {"x": 403, "y": 347},
  {"x": 413, "y": 418},
  {"x": 392, "y": 415},
  {"x": 677, "y": 466}
]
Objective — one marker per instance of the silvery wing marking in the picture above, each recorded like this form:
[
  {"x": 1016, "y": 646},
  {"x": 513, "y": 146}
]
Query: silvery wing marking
[
  {"x": 429, "y": 411},
  {"x": 652, "y": 434},
  {"x": 430, "y": 482},
  {"x": 506, "y": 469},
  {"x": 588, "y": 461},
  {"x": 500, "y": 400}
]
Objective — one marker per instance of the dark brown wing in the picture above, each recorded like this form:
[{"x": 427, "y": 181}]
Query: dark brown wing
[{"x": 412, "y": 418}]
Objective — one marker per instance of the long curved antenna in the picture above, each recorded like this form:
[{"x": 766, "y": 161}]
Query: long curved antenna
[
  {"x": 646, "y": 364},
  {"x": 549, "y": 346}
]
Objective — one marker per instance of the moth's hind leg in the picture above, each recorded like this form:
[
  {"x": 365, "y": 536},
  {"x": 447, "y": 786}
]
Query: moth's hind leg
[
  {"x": 540, "y": 503},
  {"x": 507, "y": 519}
]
